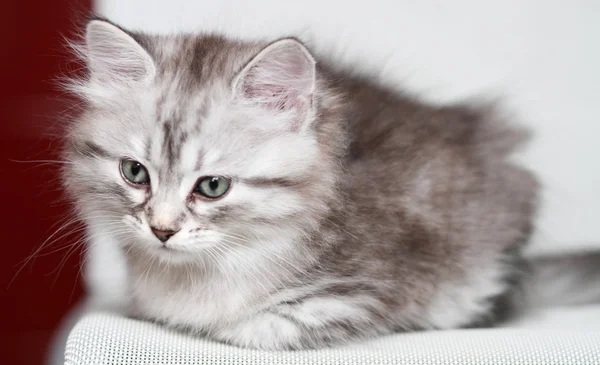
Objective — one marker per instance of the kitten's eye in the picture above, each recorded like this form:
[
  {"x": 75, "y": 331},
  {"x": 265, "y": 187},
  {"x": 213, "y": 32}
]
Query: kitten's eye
[
  {"x": 212, "y": 187},
  {"x": 134, "y": 172}
]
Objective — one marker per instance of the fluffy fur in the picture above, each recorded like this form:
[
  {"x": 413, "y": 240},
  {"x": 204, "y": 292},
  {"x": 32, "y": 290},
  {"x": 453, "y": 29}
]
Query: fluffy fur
[{"x": 354, "y": 211}]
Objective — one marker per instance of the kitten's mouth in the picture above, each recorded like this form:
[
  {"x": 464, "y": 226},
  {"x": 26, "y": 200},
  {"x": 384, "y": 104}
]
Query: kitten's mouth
[
  {"x": 161, "y": 249},
  {"x": 168, "y": 249},
  {"x": 169, "y": 254}
]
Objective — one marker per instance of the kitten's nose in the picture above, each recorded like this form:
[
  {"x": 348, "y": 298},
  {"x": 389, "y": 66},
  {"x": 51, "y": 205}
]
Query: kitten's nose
[{"x": 163, "y": 234}]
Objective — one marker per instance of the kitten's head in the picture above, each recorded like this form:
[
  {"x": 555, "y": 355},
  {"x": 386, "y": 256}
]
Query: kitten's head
[{"x": 189, "y": 142}]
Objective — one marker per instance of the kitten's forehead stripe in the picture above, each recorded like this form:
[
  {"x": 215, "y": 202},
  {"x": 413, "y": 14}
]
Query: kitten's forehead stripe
[
  {"x": 169, "y": 150},
  {"x": 198, "y": 114}
]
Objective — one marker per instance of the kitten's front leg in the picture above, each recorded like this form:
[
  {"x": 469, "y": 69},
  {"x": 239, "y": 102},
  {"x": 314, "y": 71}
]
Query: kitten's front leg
[{"x": 310, "y": 323}]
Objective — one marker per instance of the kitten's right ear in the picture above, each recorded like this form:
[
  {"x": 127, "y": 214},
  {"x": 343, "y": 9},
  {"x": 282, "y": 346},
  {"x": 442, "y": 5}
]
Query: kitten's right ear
[
  {"x": 281, "y": 77},
  {"x": 113, "y": 54}
]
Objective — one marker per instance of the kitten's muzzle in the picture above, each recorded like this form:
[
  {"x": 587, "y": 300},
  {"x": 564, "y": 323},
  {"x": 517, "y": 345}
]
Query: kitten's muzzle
[{"x": 163, "y": 234}]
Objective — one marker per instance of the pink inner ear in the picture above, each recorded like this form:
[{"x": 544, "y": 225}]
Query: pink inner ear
[
  {"x": 282, "y": 79},
  {"x": 273, "y": 96}
]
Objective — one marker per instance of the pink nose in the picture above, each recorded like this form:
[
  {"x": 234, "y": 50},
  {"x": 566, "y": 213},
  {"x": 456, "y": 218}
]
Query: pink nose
[{"x": 163, "y": 234}]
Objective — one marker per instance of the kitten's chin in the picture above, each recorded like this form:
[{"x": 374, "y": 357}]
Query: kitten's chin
[
  {"x": 168, "y": 255},
  {"x": 174, "y": 253}
]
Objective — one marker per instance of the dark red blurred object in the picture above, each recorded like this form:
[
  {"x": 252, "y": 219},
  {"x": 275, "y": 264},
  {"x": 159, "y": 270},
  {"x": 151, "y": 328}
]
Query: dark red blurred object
[{"x": 33, "y": 55}]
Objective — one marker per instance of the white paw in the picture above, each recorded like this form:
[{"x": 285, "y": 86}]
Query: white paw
[{"x": 267, "y": 331}]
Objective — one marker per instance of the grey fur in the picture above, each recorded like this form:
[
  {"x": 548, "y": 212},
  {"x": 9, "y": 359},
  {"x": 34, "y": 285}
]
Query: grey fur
[{"x": 409, "y": 217}]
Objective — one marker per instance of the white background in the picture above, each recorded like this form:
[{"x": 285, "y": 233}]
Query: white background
[{"x": 541, "y": 57}]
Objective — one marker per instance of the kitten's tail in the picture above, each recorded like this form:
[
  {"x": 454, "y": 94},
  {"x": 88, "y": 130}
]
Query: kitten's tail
[{"x": 565, "y": 280}]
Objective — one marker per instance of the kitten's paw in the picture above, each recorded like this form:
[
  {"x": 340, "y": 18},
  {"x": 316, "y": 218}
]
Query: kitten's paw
[
  {"x": 266, "y": 331},
  {"x": 311, "y": 323}
]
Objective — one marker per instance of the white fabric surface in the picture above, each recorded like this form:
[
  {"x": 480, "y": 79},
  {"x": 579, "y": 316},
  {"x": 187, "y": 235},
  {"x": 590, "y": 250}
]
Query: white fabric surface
[{"x": 103, "y": 339}]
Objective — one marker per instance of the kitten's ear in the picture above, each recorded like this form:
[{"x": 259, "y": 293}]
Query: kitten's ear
[
  {"x": 280, "y": 77},
  {"x": 113, "y": 54}
]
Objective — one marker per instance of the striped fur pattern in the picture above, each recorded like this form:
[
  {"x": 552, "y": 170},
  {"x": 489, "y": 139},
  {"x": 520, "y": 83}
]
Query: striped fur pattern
[{"x": 354, "y": 211}]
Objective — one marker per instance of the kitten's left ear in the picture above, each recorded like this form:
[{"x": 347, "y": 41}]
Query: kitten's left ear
[
  {"x": 280, "y": 77},
  {"x": 114, "y": 55}
]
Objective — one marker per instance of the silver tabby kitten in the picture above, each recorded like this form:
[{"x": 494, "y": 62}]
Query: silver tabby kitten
[{"x": 262, "y": 198}]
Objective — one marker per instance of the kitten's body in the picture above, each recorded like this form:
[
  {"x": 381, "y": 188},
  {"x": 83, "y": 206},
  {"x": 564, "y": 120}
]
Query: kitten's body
[{"x": 355, "y": 211}]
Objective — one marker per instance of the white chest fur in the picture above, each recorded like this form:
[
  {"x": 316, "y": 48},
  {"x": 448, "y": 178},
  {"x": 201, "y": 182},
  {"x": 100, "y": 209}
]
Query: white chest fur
[{"x": 197, "y": 301}]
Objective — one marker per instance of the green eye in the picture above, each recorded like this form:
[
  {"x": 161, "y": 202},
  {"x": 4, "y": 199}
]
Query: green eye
[
  {"x": 212, "y": 187},
  {"x": 134, "y": 172}
]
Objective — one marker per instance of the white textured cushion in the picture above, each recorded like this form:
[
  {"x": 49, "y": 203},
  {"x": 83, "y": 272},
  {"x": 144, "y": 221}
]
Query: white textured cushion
[{"x": 108, "y": 339}]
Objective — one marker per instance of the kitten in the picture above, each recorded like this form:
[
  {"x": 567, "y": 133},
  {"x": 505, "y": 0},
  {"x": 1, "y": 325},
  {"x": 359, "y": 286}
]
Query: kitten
[{"x": 260, "y": 197}]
